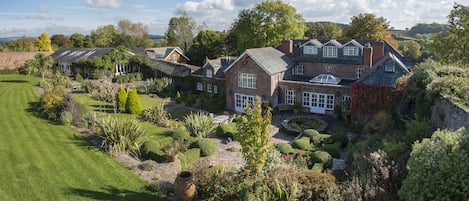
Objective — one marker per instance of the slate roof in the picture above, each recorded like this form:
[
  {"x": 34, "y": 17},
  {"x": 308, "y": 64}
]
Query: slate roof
[
  {"x": 73, "y": 55},
  {"x": 271, "y": 60},
  {"x": 173, "y": 68},
  {"x": 163, "y": 52},
  {"x": 376, "y": 75},
  {"x": 218, "y": 65}
]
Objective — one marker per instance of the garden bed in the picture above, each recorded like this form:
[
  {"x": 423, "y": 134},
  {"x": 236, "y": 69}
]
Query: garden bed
[{"x": 296, "y": 124}]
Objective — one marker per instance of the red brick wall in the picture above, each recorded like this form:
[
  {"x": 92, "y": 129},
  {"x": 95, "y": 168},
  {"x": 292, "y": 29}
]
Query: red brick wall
[
  {"x": 11, "y": 60},
  {"x": 264, "y": 82}
]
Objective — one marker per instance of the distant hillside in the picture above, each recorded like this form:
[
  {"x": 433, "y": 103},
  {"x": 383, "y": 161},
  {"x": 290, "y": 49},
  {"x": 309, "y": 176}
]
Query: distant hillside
[
  {"x": 423, "y": 28},
  {"x": 340, "y": 25},
  {"x": 155, "y": 37},
  {"x": 4, "y": 40}
]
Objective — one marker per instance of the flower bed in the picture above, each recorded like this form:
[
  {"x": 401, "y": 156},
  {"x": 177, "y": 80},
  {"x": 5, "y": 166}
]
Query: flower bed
[{"x": 296, "y": 124}]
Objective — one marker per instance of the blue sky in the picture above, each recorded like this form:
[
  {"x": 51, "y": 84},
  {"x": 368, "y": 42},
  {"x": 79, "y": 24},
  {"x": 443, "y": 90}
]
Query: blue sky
[{"x": 31, "y": 17}]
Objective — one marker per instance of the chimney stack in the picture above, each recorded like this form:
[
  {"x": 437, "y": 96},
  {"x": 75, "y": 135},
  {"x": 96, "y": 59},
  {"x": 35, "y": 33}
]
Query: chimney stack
[
  {"x": 378, "y": 50},
  {"x": 287, "y": 47},
  {"x": 367, "y": 55}
]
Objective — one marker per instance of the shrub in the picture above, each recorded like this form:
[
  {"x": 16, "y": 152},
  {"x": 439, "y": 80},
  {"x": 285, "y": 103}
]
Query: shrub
[
  {"x": 78, "y": 77},
  {"x": 87, "y": 86},
  {"x": 318, "y": 167},
  {"x": 133, "y": 105},
  {"x": 416, "y": 130},
  {"x": 199, "y": 124},
  {"x": 285, "y": 148},
  {"x": 156, "y": 114},
  {"x": 226, "y": 130},
  {"x": 321, "y": 157},
  {"x": 332, "y": 149},
  {"x": 152, "y": 150},
  {"x": 66, "y": 118},
  {"x": 51, "y": 104},
  {"x": 189, "y": 156},
  {"x": 147, "y": 165},
  {"x": 181, "y": 135},
  {"x": 178, "y": 97},
  {"x": 314, "y": 135},
  {"x": 207, "y": 147},
  {"x": 73, "y": 108},
  {"x": 381, "y": 123},
  {"x": 303, "y": 143},
  {"x": 121, "y": 98},
  {"x": 340, "y": 137},
  {"x": 394, "y": 149},
  {"x": 121, "y": 135}
]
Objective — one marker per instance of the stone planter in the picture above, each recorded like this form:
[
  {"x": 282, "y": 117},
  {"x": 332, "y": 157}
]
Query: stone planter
[
  {"x": 184, "y": 186},
  {"x": 172, "y": 158}
]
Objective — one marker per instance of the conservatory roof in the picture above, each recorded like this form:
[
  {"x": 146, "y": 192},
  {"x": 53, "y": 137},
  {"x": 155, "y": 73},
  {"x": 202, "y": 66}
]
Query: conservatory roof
[{"x": 325, "y": 79}]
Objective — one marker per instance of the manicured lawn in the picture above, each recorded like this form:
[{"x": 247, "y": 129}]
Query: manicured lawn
[{"x": 43, "y": 161}]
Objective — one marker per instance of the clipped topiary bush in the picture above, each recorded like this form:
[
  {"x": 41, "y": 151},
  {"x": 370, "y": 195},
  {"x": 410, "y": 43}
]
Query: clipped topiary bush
[
  {"x": 318, "y": 167},
  {"x": 181, "y": 135},
  {"x": 284, "y": 148},
  {"x": 121, "y": 98},
  {"x": 189, "y": 156},
  {"x": 313, "y": 135},
  {"x": 340, "y": 137},
  {"x": 226, "y": 130},
  {"x": 332, "y": 149},
  {"x": 152, "y": 150},
  {"x": 133, "y": 105},
  {"x": 303, "y": 144},
  {"x": 321, "y": 157},
  {"x": 207, "y": 147}
]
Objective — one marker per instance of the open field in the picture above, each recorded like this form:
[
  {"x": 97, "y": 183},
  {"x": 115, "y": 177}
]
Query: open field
[{"x": 44, "y": 161}]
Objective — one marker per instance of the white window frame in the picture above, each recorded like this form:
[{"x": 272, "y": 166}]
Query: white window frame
[
  {"x": 329, "y": 102},
  {"x": 241, "y": 101},
  {"x": 310, "y": 49},
  {"x": 298, "y": 70},
  {"x": 318, "y": 100},
  {"x": 290, "y": 97},
  {"x": 247, "y": 80},
  {"x": 209, "y": 88},
  {"x": 215, "y": 89},
  {"x": 306, "y": 99},
  {"x": 344, "y": 99},
  {"x": 390, "y": 68},
  {"x": 329, "y": 51},
  {"x": 358, "y": 72},
  {"x": 350, "y": 51},
  {"x": 200, "y": 86},
  {"x": 209, "y": 73},
  {"x": 174, "y": 58}
]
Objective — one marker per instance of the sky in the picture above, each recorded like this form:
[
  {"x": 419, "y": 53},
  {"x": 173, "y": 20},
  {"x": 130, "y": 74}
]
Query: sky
[{"x": 32, "y": 17}]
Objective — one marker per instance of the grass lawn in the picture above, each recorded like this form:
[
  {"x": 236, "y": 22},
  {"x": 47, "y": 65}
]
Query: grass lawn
[{"x": 43, "y": 161}]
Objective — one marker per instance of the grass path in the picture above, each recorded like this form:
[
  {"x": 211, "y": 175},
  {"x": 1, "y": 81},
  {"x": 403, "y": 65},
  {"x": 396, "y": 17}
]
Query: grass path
[{"x": 43, "y": 161}]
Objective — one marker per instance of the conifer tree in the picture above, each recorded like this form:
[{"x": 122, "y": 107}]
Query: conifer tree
[{"x": 133, "y": 105}]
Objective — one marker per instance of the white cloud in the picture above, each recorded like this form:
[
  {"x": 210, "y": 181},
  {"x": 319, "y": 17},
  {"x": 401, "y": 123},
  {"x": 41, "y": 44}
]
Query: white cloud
[
  {"x": 42, "y": 8},
  {"x": 103, "y": 3},
  {"x": 204, "y": 7},
  {"x": 388, "y": 4}
]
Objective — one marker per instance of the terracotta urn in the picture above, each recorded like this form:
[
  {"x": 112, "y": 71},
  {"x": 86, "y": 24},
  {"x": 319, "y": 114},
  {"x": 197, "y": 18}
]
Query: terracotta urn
[
  {"x": 172, "y": 158},
  {"x": 184, "y": 186}
]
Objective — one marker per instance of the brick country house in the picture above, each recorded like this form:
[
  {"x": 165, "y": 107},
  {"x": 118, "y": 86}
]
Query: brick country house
[
  {"x": 315, "y": 74},
  {"x": 210, "y": 79}
]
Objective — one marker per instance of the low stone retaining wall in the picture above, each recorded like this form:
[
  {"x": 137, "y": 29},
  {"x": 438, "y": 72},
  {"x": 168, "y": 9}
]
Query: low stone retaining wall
[{"x": 447, "y": 114}]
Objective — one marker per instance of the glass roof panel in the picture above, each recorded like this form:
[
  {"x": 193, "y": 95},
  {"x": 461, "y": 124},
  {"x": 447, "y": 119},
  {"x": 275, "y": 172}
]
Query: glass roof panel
[{"x": 325, "y": 79}]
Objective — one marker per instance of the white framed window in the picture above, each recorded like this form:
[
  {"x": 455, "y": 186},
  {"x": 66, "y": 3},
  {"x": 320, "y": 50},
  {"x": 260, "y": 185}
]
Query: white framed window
[
  {"x": 174, "y": 57},
  {"x": 350, "y": 51},
  {"x": 290, "y": 97},
  {"x": 358, "y": 72},
  {"x": 318, "y": 100},
  {"x": 241, "y": 101},
  {"x": 330, "y": 102},
  {"x": 390, "y": 67},
  {"x": 306, "y": 99},
  {"x": 200, "y": 86},
  {"x": 329, "y": 51},
  {"x": 209, "y": 73},
  {"x": 209, "y": 88},
  {"x": 309, "y": 49},
  {"x": 247, "y": 80},
  {"x": 298, "y": 70},
  {"x": 346, "y": 103}
]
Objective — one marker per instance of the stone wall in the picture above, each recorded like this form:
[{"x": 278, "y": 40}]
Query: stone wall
[{"x": 449, "y": 115}]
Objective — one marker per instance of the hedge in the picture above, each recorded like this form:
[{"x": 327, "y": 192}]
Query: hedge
[
  {"x": 321, "y": 157},
  {"x": 303, "y": 143},
  {"x": 284, "y": 148},
  {"x": 227, "y": 130},
  {"x": 318, "y": 167},
  {"x": 332, "y": 149}
]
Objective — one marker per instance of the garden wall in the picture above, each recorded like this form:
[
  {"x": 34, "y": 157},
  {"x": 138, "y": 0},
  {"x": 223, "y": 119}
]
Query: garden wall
[
  {"x": 449, "y": 115},
  {"x": 11, "y": 60}
]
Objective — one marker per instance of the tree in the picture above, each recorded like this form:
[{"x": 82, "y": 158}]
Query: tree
[
  {"x": 453, "y": 46},
  {"x": 43, "y": 43},
  {"x": 61, "y": 41},
  {"x": 181, "y": 31},
  {"x": 411, "y": 49},
  {"x": 132, "y": 35},
  {"x": 121, "y": 98},
  {"x": 40, "y": 63},
  {"x": 133, "y": 105},
  {"x": 206, "y": 44},
  {"x": 104, "y": 36},
  {"x": 368, "y": 27},
  {"x": 78, "y": 40},
  {"x": 423, "y": 28},
  {"x": 22, "y": 44},
  {"x": 322, "y": 30},
  {"x": 438, "y": 168},
  {"x": 254, "y": 134},
  {"x": 267, "y": 24}
]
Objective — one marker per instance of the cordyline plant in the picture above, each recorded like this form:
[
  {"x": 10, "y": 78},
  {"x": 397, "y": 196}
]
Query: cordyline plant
[
  {"x": 199, "y": 124},
  {"x": 253, "y": 135}
]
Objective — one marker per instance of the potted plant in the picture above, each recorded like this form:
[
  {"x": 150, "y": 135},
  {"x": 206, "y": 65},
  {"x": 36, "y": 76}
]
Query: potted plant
[
  {"x": 296, "y": 107},
  {"x": 172, "y": 150}
]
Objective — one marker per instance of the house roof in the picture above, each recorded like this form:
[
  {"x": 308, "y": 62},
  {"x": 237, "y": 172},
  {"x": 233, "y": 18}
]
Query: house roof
[
  {"x": 218, "y": 65},
  {"x": 376, "y": 75},
  {"x": 173, "y": 68},
  {"x": 163, "y": 52},
  {"x": 269, "y": 59},
  {"x": 72, "y": 55}
]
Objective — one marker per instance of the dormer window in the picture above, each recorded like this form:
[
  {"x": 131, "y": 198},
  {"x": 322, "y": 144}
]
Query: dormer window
[
  {"x": 298, "y": 70},
  {"x": 209, "y": 73},
  {"x": 390, "y": 67},
  {"x": 350, "y": 51},
  {"x": 309, "y": 49},
  {"x": 329, "y": 51}
]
